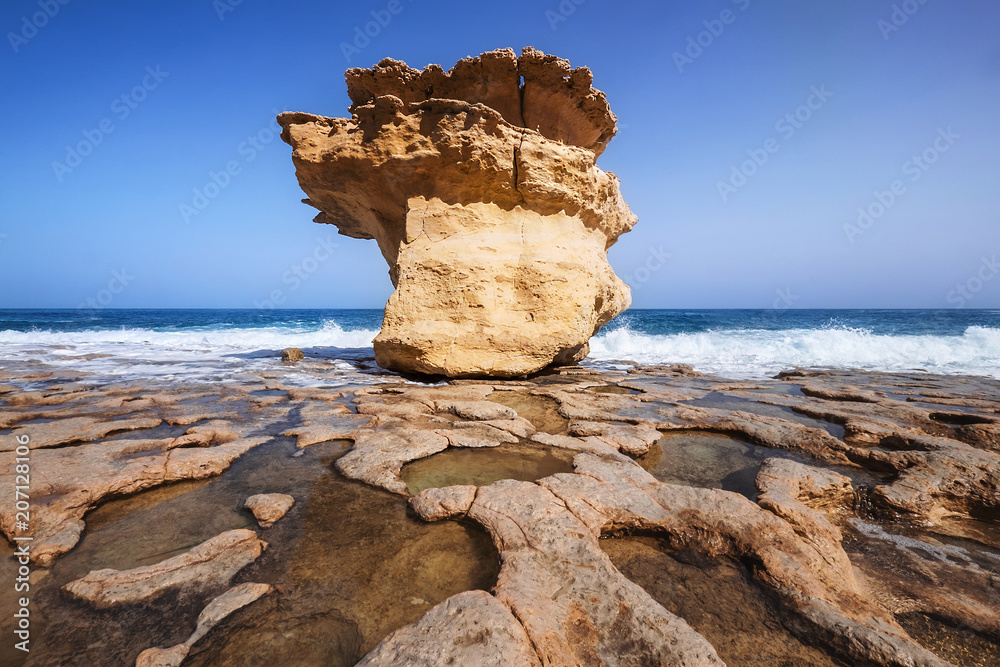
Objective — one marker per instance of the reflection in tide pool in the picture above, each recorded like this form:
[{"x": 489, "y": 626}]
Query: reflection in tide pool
[{"x": 484, "y": 466}]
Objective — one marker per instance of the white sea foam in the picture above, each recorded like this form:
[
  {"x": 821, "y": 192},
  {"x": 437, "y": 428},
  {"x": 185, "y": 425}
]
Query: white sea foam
[
  {"x": 762, "y": 353},
  {"x": 225, "y": 353},
  {"x": 215, "y": 339},
  {"x": 215, "y": 354}
]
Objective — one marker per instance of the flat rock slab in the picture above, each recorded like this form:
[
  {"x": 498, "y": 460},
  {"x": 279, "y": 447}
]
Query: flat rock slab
[
  {"x": 211, "y": 563},
  {"x": 76, "y": 429}
]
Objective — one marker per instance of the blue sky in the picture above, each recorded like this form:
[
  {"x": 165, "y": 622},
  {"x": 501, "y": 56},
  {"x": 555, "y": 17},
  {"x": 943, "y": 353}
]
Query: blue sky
[{"x": 201, "y": 81}]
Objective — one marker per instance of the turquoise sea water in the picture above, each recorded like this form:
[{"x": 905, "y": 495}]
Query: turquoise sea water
[{"x": 212, "y": 344}]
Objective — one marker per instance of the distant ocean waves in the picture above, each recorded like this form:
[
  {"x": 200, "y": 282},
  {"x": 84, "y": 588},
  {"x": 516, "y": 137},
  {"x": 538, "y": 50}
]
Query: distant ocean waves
[
  {"x": 212, "y": 340},
  {"x": 763, "y": 353},
  {"x": 199, "y": 355},
  {"x": 229, "y": 345}
]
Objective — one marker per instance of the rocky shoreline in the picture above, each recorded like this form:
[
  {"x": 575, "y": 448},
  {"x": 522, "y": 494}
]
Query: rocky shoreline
[{"x": 649, "y": 515}]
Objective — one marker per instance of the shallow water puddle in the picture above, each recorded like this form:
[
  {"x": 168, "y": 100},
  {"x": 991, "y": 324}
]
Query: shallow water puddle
[
  {"x": 956, "y": 645},
  {"x": 929, "y": 546},
  {"x": 723, "y": 401},
  {"x": 903, "y": 563},
  {"x": 980, "y": 533},
  {"x": 541, "y": 411},
  {"x": 709, "y": 460},
  {"x": 353, "y": 567},
  {"x": 349, "y": 562},
  {"x": 957, "y": 419},
  {"x": 781, "y": 388},
  {"x": 718, "y": 599},
  {"x": 483, "y": 466},
  {"x": 612, "y": 389}
]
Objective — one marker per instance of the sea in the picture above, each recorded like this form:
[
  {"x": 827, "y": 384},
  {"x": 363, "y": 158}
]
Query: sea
[{"x": 219, "y": 345}]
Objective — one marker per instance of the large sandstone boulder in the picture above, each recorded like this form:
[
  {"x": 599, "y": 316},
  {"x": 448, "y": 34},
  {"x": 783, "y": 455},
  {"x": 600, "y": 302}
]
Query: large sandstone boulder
[{"x": 480, "y": 186}]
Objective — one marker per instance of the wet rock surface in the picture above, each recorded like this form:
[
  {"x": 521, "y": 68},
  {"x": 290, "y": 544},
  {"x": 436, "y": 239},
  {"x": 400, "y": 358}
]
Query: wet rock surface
[
  {"x": 209, "y": 564},
  {"x": 577, "y": 517}
]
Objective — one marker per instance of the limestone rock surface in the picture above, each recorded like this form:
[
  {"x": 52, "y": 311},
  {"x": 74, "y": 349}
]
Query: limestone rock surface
[
  {"x": 212, "y": 562},
  {"x": 470, "y": 628},
  {"x": 269, "y": 507},
  {"x": 485, "y": 199}
]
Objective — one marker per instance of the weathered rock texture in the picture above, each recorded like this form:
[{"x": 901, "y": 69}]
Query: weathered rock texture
[
  {"x": 470, "y": 628},
  {"x": 212, "y": 562},
  {"x": 269, "y": 507},
  {"x": 485, "y": 199},
  {"x": 872, "y": 540}
]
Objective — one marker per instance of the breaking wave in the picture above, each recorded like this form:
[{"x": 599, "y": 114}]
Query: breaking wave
[
  {"x": 225, "y": 351},
  {"x": 195, "y": 354},
  {"x": 763, "y": 353}
]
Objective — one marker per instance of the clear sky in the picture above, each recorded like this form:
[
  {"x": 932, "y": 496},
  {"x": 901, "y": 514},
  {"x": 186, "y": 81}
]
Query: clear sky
[{"x": 700, "y": 88}]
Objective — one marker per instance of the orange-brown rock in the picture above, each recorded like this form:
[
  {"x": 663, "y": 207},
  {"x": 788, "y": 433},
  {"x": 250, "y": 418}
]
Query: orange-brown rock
[
  {"x": 485, "y": 199},
  {"x": 210, "y": 563}
]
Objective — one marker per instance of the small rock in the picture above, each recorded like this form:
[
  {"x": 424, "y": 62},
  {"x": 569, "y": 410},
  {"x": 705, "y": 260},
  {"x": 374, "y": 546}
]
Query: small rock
[
  {"x": 269, "y": 507},
  {"x": 292, "y": 354}
]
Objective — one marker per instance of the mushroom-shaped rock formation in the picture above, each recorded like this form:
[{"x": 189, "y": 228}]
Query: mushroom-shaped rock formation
[{"x": 480, "y": 186}]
